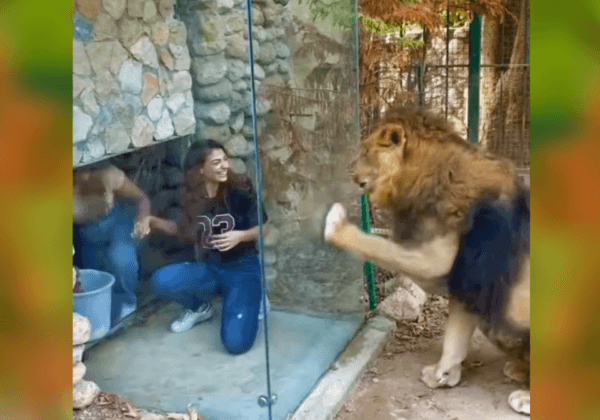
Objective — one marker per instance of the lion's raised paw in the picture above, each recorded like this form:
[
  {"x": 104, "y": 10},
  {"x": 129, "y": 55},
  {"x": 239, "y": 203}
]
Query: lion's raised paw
[
  {"x": 520, "y": 401},
  {"x": 335, "y": 219}
]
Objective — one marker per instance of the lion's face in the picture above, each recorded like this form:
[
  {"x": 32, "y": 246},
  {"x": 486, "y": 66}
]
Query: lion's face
[{"x": 380, "y": 160}]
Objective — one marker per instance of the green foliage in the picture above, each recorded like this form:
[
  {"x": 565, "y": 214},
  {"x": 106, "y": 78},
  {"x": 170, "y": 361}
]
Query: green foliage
[
  {"x": 381, "y": 28},
  {"x": 341, "y": 12}
]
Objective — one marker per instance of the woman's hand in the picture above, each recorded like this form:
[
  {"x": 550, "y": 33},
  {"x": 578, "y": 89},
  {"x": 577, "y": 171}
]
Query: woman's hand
[
  {"x": 142, "y": 228},
  {"x": 226, "y": 241}
]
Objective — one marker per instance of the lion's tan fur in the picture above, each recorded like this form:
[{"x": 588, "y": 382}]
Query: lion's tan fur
[{"x": 416, "y": 164}]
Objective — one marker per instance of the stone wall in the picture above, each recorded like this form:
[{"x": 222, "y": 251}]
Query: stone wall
[{"x": 131, "y": 77}]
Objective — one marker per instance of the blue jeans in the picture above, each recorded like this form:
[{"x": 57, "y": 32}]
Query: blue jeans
[
  {"x": 107, "y": 245},
  {"x": 190, "y": 283}
]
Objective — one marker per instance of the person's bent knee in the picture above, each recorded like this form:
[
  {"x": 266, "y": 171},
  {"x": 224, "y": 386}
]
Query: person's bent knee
[{"x": 237, "y": 348}]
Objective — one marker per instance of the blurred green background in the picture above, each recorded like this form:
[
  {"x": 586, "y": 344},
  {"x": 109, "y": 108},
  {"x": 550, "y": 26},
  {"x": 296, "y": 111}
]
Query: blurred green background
[{"x": 35, "y": 218}]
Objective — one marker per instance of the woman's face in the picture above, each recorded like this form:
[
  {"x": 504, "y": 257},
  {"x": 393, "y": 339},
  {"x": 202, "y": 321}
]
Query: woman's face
[{"x": 215, "y": 166}]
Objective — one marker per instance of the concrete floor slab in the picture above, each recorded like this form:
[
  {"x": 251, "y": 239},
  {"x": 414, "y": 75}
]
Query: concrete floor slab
[{"x": 161, "y": 371}]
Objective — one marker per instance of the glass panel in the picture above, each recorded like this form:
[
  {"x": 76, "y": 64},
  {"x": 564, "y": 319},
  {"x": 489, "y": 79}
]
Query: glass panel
[
  {"x": 307, "y": 126},
  {"x": 151, "y": 81}
]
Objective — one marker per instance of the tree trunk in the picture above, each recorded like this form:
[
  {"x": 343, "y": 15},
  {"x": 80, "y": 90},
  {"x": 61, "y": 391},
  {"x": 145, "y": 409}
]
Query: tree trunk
[{"x": 505, "y": 129}]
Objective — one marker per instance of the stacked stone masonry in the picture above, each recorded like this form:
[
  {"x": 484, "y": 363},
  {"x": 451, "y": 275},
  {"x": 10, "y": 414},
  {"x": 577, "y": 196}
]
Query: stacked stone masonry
[
  {"x": 131, "y": 77},
  {"x": 84, "y": 392}
]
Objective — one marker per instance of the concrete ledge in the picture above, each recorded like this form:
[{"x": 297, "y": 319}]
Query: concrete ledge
[{"x": 339, "y": 382}]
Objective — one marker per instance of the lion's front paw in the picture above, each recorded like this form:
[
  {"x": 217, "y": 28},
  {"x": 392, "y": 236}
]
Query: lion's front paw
[
  {"x": 520, "y": 401},
  {"x": 437, "y": 378},
  {"x": 334, "y": 220}
]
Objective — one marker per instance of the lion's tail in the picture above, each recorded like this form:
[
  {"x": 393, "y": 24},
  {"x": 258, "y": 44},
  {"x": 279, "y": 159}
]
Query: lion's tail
[{"x": 490, "y": 252}]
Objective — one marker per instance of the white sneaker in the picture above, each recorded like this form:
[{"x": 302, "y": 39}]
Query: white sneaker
[{"x": 189, "y": 318}]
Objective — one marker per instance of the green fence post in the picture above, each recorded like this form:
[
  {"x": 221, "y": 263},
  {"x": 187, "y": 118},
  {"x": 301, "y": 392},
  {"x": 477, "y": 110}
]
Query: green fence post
[
  {"x": 474, "y": 76},
  {"x": 365, "y": 221}
]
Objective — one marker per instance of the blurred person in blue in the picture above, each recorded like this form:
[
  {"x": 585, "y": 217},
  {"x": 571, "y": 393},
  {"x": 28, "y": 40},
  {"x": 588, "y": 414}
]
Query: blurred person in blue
[
  {"x": 109, "y": 214},
  {"x": 220, "y": 218}
]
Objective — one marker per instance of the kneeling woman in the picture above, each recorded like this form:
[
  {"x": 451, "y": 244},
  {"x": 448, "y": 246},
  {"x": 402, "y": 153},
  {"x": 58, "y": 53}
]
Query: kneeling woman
[{"x": 220, "y": 217}]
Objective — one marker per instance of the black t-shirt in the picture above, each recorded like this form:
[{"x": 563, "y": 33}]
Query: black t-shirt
[{"x": 235, "y": 210}]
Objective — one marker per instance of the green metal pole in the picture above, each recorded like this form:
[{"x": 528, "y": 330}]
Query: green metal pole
[
  {"x": 365, "y": 221},
  {"x": 474, "y": 77}
]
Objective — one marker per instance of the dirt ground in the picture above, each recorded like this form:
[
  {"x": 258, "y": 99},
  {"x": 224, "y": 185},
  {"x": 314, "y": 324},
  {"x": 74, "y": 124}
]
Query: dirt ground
[{"x": 392, "y": 390}]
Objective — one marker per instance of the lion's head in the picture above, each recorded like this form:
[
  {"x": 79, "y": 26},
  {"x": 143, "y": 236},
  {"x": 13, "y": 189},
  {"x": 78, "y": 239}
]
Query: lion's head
[{"x": 412, "y": 162}]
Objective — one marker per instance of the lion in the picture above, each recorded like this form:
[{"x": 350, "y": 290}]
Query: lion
[{"x": 461, "y": 224}]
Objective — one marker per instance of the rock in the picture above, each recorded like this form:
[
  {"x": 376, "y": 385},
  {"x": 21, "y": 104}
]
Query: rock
[
  {"x": 175, "y": 102},
  {"x": 164, "y": 128},
  {"x": 115, "y": 8},
  {"x": 202, "y": 48},
  {"x": 89, "y": 102},
  {"x": 143, "y": 131},
  {"x": 130, "y": 32},
  {"x": 224, "y": 6},
  {"x": 78, "y": 372},
  {"x": 268, "y": 54},
  {"x": 106, "y": 28},
  {"x": 167, "y": 58},
  {"x": 236, "y": 70},
  {"x": 259, "y": 73},
  {"x": 80, "y": 85},
  {"x": 211, "y": 28},
  {"x": 82, "y": 329},
  {"x": 177, "y": 32},
  {"x": 183, "y": 61},
  {"x": 204, "y": 131},
  {"x": 213, "y": 93},
  {"x": 237, "y": 102},
  {"x": 270, "y": 12},
  {"x": 209, "y": 72},
  {"x": 401, "y": 305},
  {"x": 119, "y": 55},
  {"x": 150, "y": 88},
  {"x": 135, "y": 8},
  {"x": 258, "y": 18},
  {"x": 182, "y": 82},
  {"x": 166, "y": 8},
  {"x": 234, "y": 24},
  {"x": 284, "y": 67},
  {"x": 282, "y": 50},
  {"x": 216, "y": 113},
  {"x": 238, "y": 166},
  {"x": 81, "y": 124},
  {"x": 88, "y": 8},
  {"x": 237, "y": 47},
  {"x": 94, "y": 149},
  {"x": 184, "y": 122},
  {"x": 155, "y": 108},
  {"x": 82, "y": 29},
  {"x": 240, "y": 86},
  {"x": 84, "y": 393},
  {"x": 145, "y": 51},
  {"x": 117, "y": 139},
  {"x": 418, "y": 293},
  {"x": 77, "y": 154},
  {"x": 78, "y": 353},
  {"x": 263, "y": 106},
  {"x": 237, "y": 146},
  {"x": 81, "y": 64},
  {"x": 100, "y": 54},
  {"x": 236, "y": 122},
  {"x": 130, "y": 77},
  {"x": 160, "y": 33},
  {"x": 149, "y": 12}
]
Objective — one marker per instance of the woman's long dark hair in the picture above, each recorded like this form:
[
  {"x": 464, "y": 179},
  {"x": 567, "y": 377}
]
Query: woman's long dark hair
[{"x": 193, "y": 187}]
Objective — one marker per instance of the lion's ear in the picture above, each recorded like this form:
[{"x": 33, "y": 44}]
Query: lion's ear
[{"x": 392, "y": 136}]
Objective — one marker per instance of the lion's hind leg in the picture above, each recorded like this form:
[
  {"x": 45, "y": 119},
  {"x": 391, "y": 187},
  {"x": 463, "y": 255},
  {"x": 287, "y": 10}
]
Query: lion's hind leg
[{"x": 457, "y": 339}]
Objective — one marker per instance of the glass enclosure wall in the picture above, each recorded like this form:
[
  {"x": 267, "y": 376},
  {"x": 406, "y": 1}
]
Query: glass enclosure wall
[
  {"x": 153, "y": 78},
  {"x": 308, "y": 132}
]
